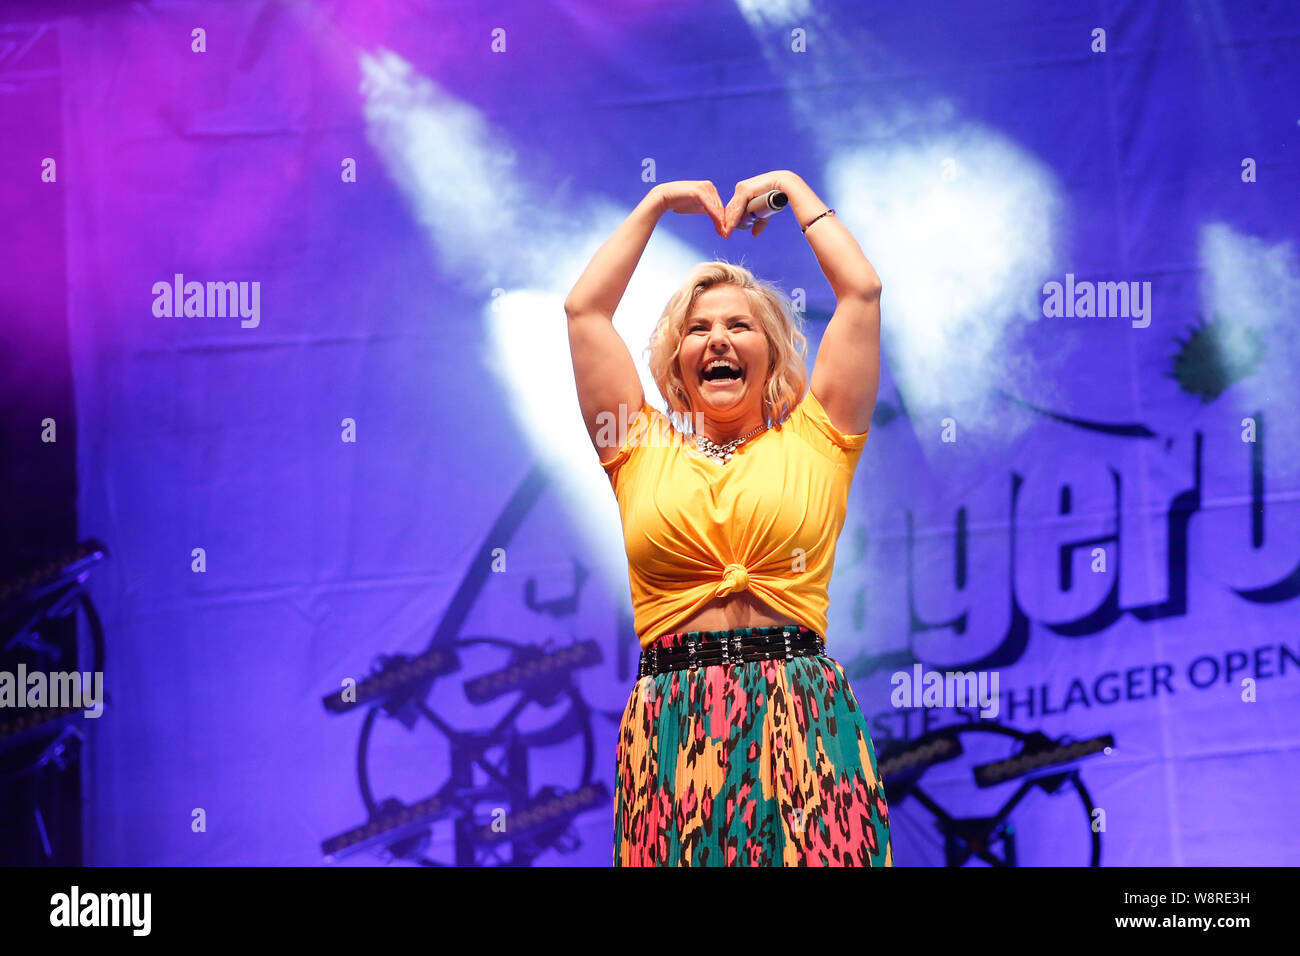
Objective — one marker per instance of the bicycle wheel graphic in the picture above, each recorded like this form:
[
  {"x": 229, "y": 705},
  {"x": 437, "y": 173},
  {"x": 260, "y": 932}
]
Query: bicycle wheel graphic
[{"x": 941, "y": 816}]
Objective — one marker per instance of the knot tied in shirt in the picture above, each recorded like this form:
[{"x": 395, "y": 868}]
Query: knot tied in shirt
[{"x": 735, "y": 578}]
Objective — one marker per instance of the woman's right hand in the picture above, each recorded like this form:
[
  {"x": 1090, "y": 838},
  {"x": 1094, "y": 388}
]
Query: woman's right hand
[{"x": 694, "y": 196}]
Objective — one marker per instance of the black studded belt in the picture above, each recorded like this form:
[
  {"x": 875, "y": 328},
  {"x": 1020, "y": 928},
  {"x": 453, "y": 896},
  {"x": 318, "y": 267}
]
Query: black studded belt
[{"x": 731, "y": 648}]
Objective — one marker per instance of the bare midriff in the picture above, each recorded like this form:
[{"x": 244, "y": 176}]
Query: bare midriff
[{"x": 731, "y": 611}]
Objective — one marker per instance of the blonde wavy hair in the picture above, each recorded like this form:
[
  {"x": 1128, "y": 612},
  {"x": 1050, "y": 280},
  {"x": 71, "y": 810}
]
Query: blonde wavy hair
[{"x": 783, "y": 330}]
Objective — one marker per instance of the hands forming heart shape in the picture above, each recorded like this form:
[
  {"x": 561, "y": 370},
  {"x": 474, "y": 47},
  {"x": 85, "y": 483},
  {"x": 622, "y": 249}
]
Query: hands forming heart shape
[{"x": 689, "y": 196}]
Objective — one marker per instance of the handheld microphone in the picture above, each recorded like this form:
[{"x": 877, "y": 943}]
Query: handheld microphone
[{"x": 761, "y": 207}]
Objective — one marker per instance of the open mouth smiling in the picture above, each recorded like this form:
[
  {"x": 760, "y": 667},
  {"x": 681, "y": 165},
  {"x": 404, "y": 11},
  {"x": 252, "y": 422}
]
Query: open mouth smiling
[{"x": 719, "y": 373}]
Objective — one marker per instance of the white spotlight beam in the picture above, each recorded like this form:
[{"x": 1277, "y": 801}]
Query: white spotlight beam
[
  {"x": 959, "y": 221},
  {"x": 497, "y": 229}
]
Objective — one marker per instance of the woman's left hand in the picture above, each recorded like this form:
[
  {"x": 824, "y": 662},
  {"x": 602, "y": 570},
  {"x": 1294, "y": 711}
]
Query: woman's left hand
[{"x": 747, "y": 189}]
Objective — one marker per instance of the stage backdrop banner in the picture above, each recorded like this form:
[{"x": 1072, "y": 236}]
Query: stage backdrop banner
[{"x": 317, "y": 256}]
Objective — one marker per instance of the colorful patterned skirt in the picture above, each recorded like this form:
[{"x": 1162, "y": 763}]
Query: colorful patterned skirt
[{"x": 766, "y": 763}]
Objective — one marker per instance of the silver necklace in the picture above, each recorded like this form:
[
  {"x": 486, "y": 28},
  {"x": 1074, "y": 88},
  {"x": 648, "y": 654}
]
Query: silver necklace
[{"x": 722, "y": 453}]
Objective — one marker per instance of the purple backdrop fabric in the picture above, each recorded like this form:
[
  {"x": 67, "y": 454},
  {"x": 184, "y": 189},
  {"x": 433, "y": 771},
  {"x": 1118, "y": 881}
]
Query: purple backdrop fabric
[{"x": 1078, "y": 504}]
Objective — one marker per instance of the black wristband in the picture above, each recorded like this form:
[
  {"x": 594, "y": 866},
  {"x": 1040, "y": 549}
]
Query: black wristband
[{"x": 828, "y": 212}]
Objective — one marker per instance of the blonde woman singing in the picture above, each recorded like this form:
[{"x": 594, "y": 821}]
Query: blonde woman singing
[{"x": 742, "y": 743}]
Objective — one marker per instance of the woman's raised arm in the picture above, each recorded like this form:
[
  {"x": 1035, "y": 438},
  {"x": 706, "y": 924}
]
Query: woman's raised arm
[
  {"x": 847, "y": 374},
  {"x": 603, "y": 369}
]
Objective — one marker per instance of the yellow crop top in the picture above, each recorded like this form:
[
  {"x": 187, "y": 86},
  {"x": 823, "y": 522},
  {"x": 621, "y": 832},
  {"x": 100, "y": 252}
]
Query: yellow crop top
[{"x": 768, "y": 520}]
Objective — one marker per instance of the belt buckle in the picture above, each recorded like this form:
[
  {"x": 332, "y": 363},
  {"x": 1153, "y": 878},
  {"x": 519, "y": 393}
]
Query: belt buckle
[
  {"x": 736, "y": 649},
  {"x": 690, "y": 647},
  {"x": 654, "y": 659},
  {"x": 788, "y": 655}
]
